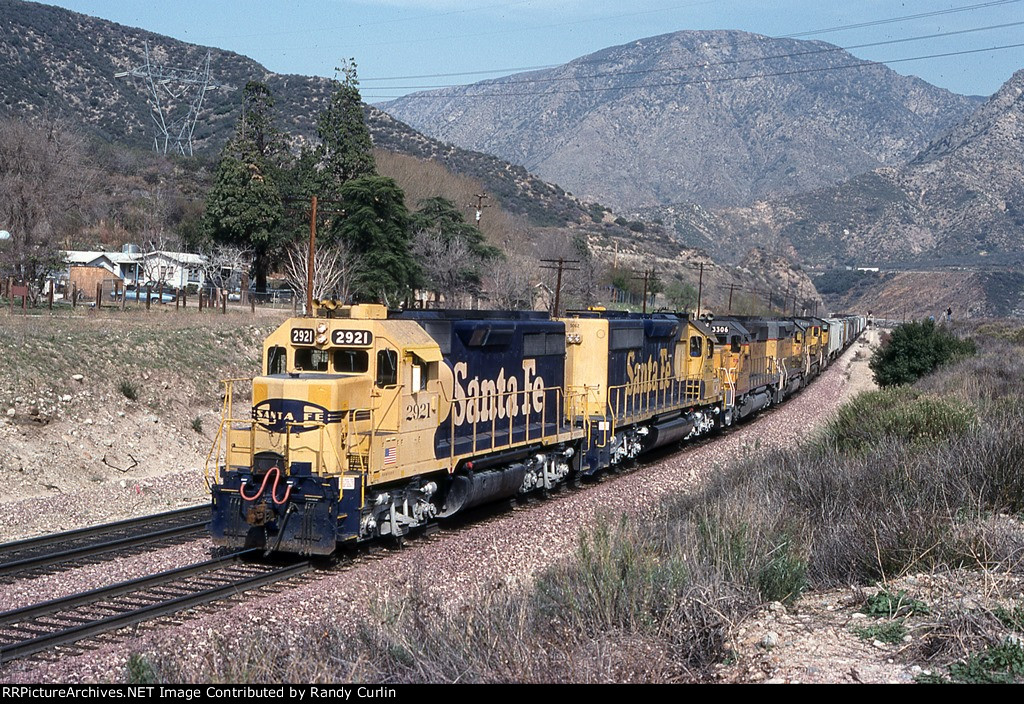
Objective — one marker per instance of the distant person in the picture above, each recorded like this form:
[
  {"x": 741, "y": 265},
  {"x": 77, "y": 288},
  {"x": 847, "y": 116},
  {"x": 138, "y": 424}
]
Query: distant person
[{"x": 949, "y": 314}]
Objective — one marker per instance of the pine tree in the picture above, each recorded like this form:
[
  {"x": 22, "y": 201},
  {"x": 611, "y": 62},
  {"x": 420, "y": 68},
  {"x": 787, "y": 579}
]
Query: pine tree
[
  {"x": 346, "y": 149},
  {"x": 375, "y": 228},
  {"x": 244, "y": 208}
]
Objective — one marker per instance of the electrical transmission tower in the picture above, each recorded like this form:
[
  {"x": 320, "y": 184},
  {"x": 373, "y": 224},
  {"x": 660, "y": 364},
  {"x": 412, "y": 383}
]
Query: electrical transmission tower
[{"x": 172, "y": 92}]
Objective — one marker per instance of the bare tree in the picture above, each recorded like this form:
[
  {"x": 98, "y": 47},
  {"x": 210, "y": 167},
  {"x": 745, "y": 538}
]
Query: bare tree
[
  {"x": 332, "y": 271},
  {"x": 223, "y": 266},
  {"x": 44, "y": 184},
  {"x": 449, "y": 264},
  {"x": 511, "y": 282}
]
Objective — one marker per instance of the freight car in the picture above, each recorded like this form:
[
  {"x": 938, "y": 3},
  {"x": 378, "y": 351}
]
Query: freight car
[{"x": 367, "y": 422}]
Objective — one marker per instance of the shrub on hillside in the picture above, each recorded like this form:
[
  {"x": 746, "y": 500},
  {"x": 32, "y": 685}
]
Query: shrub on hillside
[
  {"x": 915, "y": 349},
  {"x": 902, "y": 413}
]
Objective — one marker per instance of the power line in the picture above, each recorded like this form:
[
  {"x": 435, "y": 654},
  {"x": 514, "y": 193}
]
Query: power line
[
  {"x": 825, "y": 30},
  {"x": 921, "y": 15},
  {"x": 361, "y": 25},
  {"x": 730, "y": 62},
  {"x": 861, "y": 64},
  {"x": 506, "y": 32}
]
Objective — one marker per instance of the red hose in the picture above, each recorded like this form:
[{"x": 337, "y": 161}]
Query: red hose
[{"x": 273, "y": 489}]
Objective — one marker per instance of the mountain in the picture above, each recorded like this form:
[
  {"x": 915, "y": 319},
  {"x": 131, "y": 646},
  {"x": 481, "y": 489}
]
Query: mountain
[
  {"x": 960, "y": 202},
  {"x": 62, "y": 63},
  {"x": 720, "y": 118}
]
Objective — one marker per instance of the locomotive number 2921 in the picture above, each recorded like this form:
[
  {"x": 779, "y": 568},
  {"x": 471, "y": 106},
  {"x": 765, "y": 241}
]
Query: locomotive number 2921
[
  {"x": 302, "y": 336},
  {"x": 419, "y": 411},
  {"x": 354, "y": 338}
]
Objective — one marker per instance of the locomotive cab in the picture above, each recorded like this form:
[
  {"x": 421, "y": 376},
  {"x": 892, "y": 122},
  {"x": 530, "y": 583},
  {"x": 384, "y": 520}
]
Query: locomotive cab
[{"x": 344, "y": 402}]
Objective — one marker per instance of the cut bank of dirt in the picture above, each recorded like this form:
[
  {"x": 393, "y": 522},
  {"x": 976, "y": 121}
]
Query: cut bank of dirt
[{"x": 112, "y": 414}]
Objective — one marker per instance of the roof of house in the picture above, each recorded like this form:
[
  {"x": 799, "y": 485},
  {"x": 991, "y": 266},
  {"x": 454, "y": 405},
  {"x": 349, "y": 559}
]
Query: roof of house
[{"x": 87, "y": 258}]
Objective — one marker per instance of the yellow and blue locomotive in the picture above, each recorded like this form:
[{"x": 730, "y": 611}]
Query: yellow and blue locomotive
[{"x": 368, "y": 422}]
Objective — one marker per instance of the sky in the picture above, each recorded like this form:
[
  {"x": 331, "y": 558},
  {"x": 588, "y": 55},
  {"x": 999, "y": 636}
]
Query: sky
[{"x": 393, "y": 40}]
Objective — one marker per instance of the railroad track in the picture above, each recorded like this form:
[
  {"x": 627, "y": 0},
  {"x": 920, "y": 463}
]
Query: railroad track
[
  {"x": 80, "y": 617},
  {"x": 36, "y": 556}
]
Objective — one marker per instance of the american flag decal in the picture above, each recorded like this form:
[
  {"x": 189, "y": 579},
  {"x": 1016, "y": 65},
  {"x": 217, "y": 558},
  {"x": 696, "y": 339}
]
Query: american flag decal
[{"x": 390, "y": 455}]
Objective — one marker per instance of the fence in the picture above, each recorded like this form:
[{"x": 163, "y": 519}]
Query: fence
[{"x": 113, "y": 294}]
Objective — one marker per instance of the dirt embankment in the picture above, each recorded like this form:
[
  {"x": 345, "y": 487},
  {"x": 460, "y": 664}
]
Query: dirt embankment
[{"x": 108, "y": 415}]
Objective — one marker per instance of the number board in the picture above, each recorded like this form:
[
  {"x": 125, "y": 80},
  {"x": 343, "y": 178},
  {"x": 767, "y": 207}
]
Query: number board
[
  {"x": 352, "y": 338},
  {"x": 720, "y": 329},
  {"x": 303, "y": 336}
]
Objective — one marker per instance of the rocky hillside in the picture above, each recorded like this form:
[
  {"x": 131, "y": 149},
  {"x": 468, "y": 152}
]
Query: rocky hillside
[
  {"x": 61, "y": 63},
  {"x": 719, "y": 118},
  {"x": 960, "y": 202}
]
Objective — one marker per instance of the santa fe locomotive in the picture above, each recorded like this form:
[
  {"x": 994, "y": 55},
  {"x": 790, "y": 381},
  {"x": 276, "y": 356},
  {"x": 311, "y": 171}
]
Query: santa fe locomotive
[{"x": 368, "y": 422}]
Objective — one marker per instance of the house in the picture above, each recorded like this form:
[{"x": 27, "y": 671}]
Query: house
[{"x": 131, "y": 266}]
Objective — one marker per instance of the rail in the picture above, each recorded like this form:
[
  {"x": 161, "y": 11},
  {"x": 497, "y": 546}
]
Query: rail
[
  {"x": 84, "y": 615},
  {"x": 70, "y": 546}
]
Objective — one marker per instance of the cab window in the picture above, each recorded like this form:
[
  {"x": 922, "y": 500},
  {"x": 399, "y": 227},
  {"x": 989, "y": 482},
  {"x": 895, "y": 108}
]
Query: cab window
[
  {"x": 419, "y": 376},
  {"x": 351, "y": 361},
  {"x": 387, "y": 368},
  {"x": 711, "y": 348},
  {"x": 309, "y": 360},
  {"x": 696, "y": 346},
  {"x": 276, "y": 360},
  {"x": 734, "y": 344}
]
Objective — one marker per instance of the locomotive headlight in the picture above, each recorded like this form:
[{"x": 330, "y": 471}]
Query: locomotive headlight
[
  {"x": 321, "y": 339},
  {"x": 321, "y": 328}
]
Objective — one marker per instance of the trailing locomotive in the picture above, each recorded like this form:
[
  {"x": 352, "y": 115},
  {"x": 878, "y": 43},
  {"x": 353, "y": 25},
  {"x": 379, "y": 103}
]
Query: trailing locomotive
[{"x": 369, "y": 423}]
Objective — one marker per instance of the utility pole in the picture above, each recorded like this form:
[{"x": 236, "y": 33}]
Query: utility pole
[
  {"x": 560, "y": 266},
  {"x": 480, "y": 205},
  {"x": 732, "y": 288},
  {"x": 309, "y": 263},
  {"x": 700, "y": 288},
  {"x": 648, "y": 275}
]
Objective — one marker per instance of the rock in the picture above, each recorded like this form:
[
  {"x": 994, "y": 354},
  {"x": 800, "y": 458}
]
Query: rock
[
  {"x": 77, "y": 377},
  {"x": 776, "y": 680},
  {"x": 858, "y": 615},
  {"x": 10, "y": 412},
  {"x": 65, "y": 398},
  {"x": 770, "y": 640},
  {"x": 776, "y": 607},
  {"x": 88, "y": 421},
  {"x": 878, "y": 644},
  {"x": 154, "y": 419}
]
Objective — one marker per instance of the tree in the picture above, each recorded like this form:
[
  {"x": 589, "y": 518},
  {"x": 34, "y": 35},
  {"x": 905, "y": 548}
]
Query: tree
[
  {"x": 375, "y": 228},
  {"x": 511, "y": 283},
  {"x": 332, "y": 270},
  {"x": 346, "y": 149},
  {"x": 681, "y": 295},
  {"x": 44, "y": 186},
  {"x": 450, "y": 251},
  {"x": 244, "y": 208},
  {"x": 914, "y": 349}
]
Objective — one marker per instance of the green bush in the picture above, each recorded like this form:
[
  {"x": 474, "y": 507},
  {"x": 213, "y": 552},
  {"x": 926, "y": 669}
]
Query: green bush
[
  {"x": 915, "y": 349},
  {"x": 899, "y": 413},
  {"x": 891, "y": 632}
]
